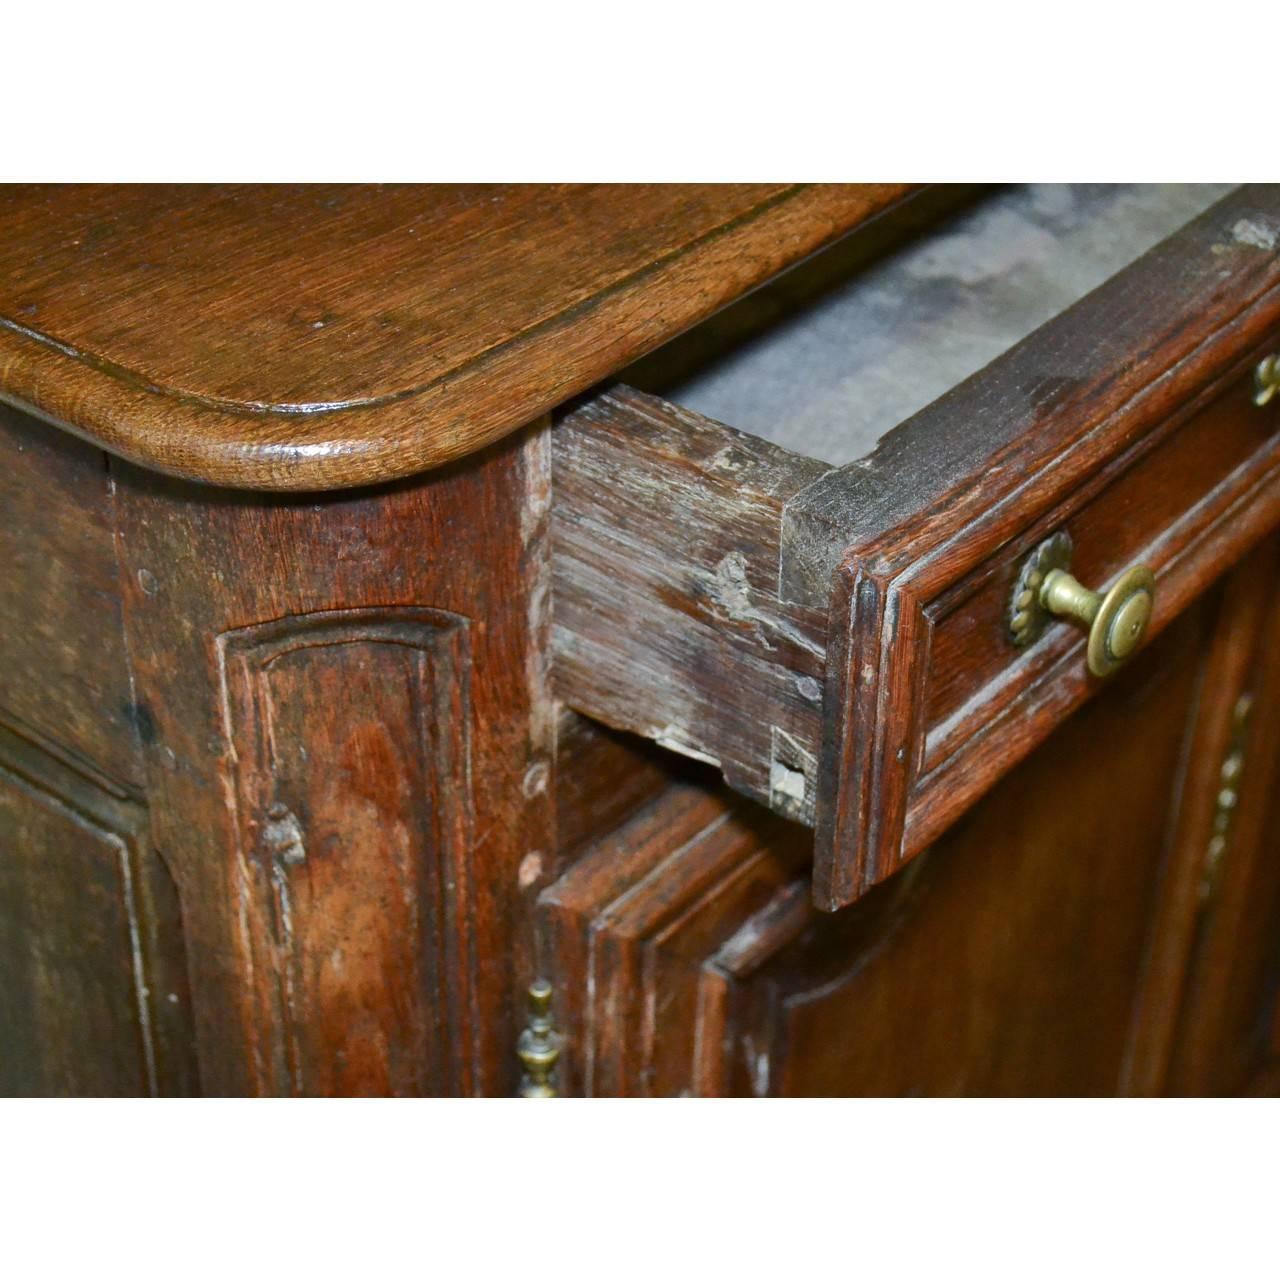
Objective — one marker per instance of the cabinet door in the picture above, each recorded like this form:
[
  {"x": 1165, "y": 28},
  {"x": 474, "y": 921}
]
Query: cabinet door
[
  {"x": 94, "y": 998},
  {"x": 1028, "y": 951},
  {"x": 1208, "y": 1022}
]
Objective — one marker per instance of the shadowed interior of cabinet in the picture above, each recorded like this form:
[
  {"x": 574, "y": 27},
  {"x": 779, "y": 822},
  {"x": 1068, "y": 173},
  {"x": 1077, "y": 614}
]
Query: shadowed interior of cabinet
[{"x": 842, "y": 349}]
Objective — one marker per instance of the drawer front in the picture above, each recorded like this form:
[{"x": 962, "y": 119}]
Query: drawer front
[
  {"x": 1185, "y": 502},
  {"x": 1118, "y": 449},
  {"x": 1153, "y": 504},
  {"x": 837, "y": 641}
]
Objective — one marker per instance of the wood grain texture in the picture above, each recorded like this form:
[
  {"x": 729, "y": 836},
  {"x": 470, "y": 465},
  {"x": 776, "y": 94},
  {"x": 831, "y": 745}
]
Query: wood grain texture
[
  {"x": 694, "y": 562},
  {"x": 94, "y": 999},
  {"x": 350, "y": 756},
  {"x": 601, "y": 778},
  {"x": 1014, "y": 966},
  {"x": 670, "y": 621},
  {"x": 370, "y": 894},
  {"x": 829, "y": 357},
  {"x": 64, "y": 673},
  {"x": 320, "y": 337},
  {"x": 667, "y": 617},
  {"x": 284, "y": 790},
  {"x": 689, "y": 958},
  {"x": 631, "y": 925},
  {"x": 1085, "y": 395},
  {"x": 1166, "y": 505}
]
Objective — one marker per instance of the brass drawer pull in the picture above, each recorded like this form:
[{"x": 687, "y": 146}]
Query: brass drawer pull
[
  {"x": 1266, "y": 380},
  {"x": 1116, "y": 621}
]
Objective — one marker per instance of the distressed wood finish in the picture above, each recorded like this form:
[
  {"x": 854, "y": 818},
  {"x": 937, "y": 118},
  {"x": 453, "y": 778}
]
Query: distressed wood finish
[
  {"x": 320, "y": 337},
  {"x": 272, "y": 745},
  {"x": 691, "y": 590},
  {"x": 293, "y": 802},
  {"x": 349, "y": 756},
  {"x": 1022, "y": 945},
  {"x": 1009, "y": 959},
  {"x": 636, "y": 925},
  {"x": 64, "y": 674},
  {"x": 1197, "y": 310},
  {"x": 94, "y": 999},
  {"x": 389, "y": 789},
  {"x": 667, "y": 616}
]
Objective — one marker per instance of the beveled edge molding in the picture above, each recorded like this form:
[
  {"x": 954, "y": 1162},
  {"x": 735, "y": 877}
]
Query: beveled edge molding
[{"x": 319, "y": 447}]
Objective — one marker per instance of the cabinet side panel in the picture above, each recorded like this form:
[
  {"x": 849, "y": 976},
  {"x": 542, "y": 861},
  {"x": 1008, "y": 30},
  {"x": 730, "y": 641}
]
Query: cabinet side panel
[
  {"x": 64, "y": 677},
  {"x": 350, "y": 764}
]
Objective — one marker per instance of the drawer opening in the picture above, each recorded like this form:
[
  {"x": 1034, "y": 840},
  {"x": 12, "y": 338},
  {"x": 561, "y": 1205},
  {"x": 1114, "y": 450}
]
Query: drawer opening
[
  {"x": 814, "y": 597},
  {"x": 829, "y": 357}
]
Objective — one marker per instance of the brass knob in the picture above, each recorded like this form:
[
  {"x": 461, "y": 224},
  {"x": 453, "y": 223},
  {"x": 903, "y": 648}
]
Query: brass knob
[
  {"x": 1116, "y": 621},
  {"x": 1044, "y": 589}
]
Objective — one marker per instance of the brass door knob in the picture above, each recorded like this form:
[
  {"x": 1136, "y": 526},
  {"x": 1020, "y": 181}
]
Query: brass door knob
[{"x": 1116, "y": 621}]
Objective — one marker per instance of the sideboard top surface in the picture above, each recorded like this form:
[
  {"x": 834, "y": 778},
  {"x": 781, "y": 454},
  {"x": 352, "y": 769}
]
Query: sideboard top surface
[{"x": 314, "y": 337}]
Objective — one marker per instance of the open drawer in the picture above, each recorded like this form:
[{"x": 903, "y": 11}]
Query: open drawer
[{"x": 866, "y": 639}]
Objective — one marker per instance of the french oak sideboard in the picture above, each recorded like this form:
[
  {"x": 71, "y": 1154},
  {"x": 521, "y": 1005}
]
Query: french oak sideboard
[{"x": 639, "y": 640}]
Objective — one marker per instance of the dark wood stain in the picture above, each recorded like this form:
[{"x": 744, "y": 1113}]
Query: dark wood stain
[
  {"x": 1026, "y": 952},
  {"x": 66, "y": 675},
  {"x": 299, "y": 791}
]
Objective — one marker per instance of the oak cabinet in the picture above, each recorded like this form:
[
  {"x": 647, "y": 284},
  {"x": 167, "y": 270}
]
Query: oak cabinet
[{"x": 657, "y": 594}]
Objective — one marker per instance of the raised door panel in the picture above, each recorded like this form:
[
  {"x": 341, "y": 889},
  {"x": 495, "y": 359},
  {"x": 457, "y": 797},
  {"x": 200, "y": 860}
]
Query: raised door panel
[
  {"x": 351, "y": 749},
  {"x": 1134, "y": 948},
  {"x": 1008, "y": 962},
  {"x": 633, "y": 935},
  {"x": 94, "y": 998},
  {"x": 350, "y": 767},
  {"x": 1009, "y": 959}
]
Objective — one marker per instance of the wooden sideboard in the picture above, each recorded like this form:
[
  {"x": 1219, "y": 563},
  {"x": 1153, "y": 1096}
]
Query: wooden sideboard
[{"x": 656, "y": 640}]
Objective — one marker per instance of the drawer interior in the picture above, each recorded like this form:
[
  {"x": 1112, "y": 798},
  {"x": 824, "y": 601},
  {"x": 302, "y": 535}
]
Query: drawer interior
[{"x": 827, "y": 359}]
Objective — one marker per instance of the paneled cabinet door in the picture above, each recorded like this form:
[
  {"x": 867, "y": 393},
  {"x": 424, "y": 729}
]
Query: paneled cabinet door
[
  {"x": 93, "y": 970},
  {"x": 1083, "y": 930},
  {"x": 1208, "y": 1023}
]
